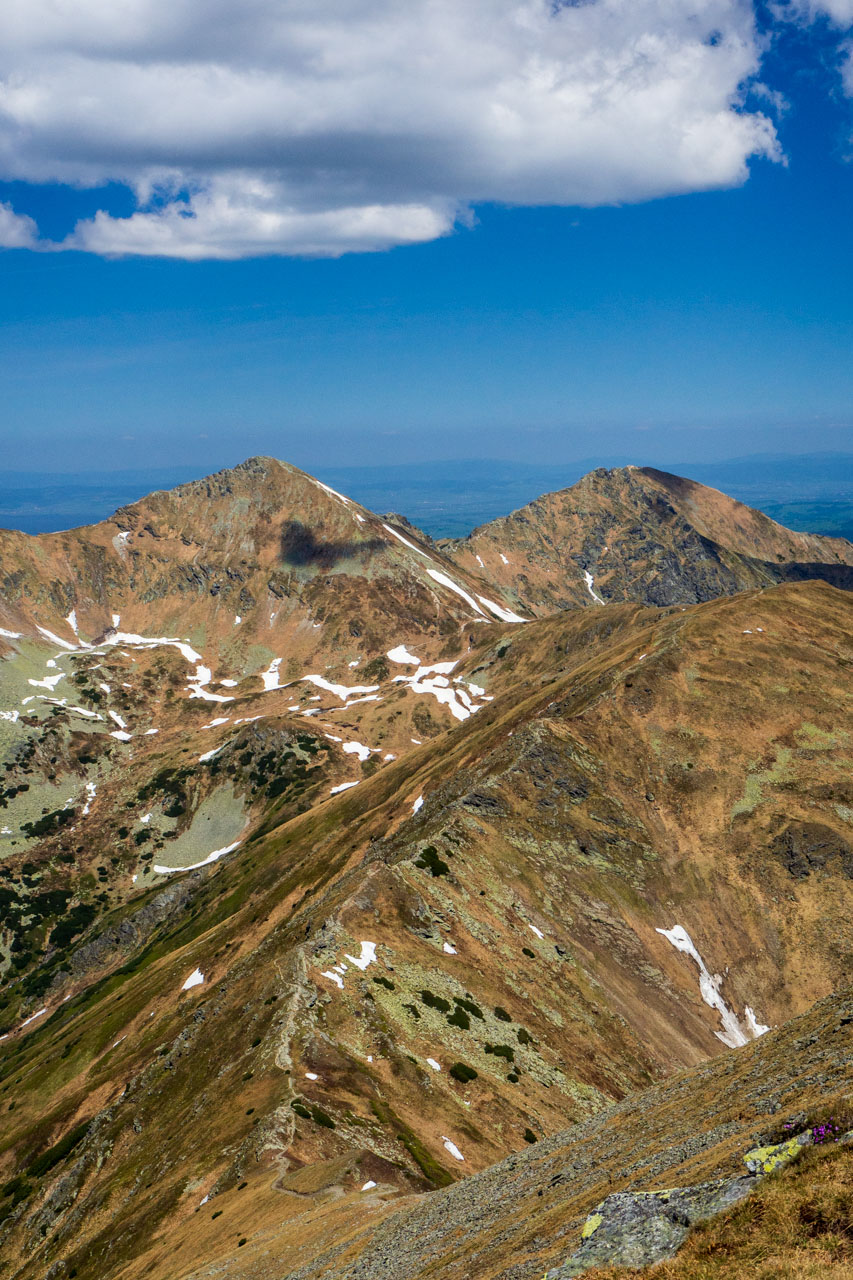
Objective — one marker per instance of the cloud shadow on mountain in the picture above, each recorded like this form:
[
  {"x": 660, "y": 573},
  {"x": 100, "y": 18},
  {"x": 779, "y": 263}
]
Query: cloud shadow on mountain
[{"x": 299, "y": 547}]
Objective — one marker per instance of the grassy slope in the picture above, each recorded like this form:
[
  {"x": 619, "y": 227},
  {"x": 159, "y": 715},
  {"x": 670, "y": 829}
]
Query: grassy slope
[
  {"x": 798, "y": 1225},
  {"x": 216, "y": 1070}
]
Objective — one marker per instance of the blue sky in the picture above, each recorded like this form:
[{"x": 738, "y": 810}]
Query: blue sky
[{"x": 701, "y": 324}]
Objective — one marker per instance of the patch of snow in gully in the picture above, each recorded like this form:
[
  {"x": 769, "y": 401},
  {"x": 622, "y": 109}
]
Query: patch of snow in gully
[{"x": 709, "y": 988}]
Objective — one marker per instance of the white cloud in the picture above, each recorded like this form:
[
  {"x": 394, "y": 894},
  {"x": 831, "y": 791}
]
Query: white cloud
[
  {"x": 839, "y": 11},
  {"x": 281, "y": 126},
  {"x": 16, "y": 231},
  {"x": 840, "y": 14}
]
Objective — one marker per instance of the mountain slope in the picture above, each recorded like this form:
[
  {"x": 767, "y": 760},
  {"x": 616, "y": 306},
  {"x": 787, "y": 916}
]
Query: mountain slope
[
  {"x": 524, "y": 1215},
  {"x": 640, "y": 534},
  {"x": 257, "y": 552},
  {"x": 511, "y": 924},
  {"x": 370, "y": 882}
]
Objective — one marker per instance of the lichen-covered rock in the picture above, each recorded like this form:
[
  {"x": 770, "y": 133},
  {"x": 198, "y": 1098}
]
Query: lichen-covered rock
[
  {"x": 636, "y": 1229},
  {"x": 763, "y": 1160}
]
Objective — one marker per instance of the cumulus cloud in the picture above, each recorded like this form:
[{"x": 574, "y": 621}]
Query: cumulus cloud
[
  {"x": 250, "y": 127},
  {"x": 16, "y": 231}
]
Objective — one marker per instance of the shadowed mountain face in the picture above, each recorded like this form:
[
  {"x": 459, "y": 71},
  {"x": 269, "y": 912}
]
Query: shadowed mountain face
[
  {"x": 641, "y": 534},
  {"x": 319, "y": 876}
]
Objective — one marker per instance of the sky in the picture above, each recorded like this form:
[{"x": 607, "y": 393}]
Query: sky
[{"x": 360, "y": 233}]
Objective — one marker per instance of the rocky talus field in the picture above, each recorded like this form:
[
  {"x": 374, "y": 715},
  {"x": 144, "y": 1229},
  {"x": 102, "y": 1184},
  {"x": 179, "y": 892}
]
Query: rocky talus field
[{"x": 375, "y": 907}]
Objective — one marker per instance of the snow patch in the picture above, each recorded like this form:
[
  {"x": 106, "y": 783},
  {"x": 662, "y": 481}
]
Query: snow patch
[
  {"x": 91, "y": 790},
  {"x": 432, "y": 1063},
  {"x": 339, "y": 690},
  {"x": 334, "y": 493},
  {"x": 54, "y": 639},
  {"x": 208, "y": 755},
  {"x": 71, "y": 619},
  {"x": 369, "y": 1185},
  {"x": 538, "y": 932},
  {"x": 755, "y": 1027},
  {"x": 195, "y": 979},
  {"x": 590, "y": 586},
  {"x": 444, "y": 581},
  {"x": 211, "y": 857},
  {"x": 197, "y": 686},
  {"x": 709, "y": 988},
  {"x": 419, "y": 804},
  {"x": 368, "y": 956},
  {"x": 449, "y": 949},
  {"x": 356, "y": 749},
  {"x": 10, "y": 635},
  {"x": 401, "y": 654},
  {"x": 343, "y": 786},
  {"x": 406, "y": 542},
  {"x": 49, "y": 682},
  {"x": 452, "y": 1148},
  {"x": 333, "y": 977},
  {"x": 505, "y": 615},
  {"x": 38, "y": 1014},
  {"x": 439, "y": 687}
]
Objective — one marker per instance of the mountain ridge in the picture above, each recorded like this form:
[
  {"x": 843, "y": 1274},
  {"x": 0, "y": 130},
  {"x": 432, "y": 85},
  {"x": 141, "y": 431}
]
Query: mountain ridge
[{"x": 399, "y": 903}]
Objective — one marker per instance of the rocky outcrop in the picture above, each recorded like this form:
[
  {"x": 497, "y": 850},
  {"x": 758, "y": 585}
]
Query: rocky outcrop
[{"x": 638, "y": 1229}]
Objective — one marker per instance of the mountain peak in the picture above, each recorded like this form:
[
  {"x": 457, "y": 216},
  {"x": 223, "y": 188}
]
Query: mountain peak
[{"x": 637, "y": 533}]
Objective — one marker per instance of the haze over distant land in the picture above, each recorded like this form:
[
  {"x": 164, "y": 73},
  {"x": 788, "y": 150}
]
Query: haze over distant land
[{"x": 812, "y": 492}]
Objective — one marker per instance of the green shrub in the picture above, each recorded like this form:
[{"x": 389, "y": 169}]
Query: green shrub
[
  {"x": 430, "y": 861},
  {"x": 469, "y": 1006},
  {"x": 435, "y": 1002},
  {"x": 462, "y": 1072},
  {"x": 319, "y": 1116},
  {"x": 501, "y": 1051}
]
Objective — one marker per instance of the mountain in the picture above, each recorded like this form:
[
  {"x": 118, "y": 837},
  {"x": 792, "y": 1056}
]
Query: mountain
[
  {"x": 639, "y": 534},
  {"x": 408, "y": 884},
  {"x": 525, "y": 1215}
]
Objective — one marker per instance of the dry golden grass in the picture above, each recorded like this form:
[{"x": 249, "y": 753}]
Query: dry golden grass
[{"x": 798, "y": 1224}]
